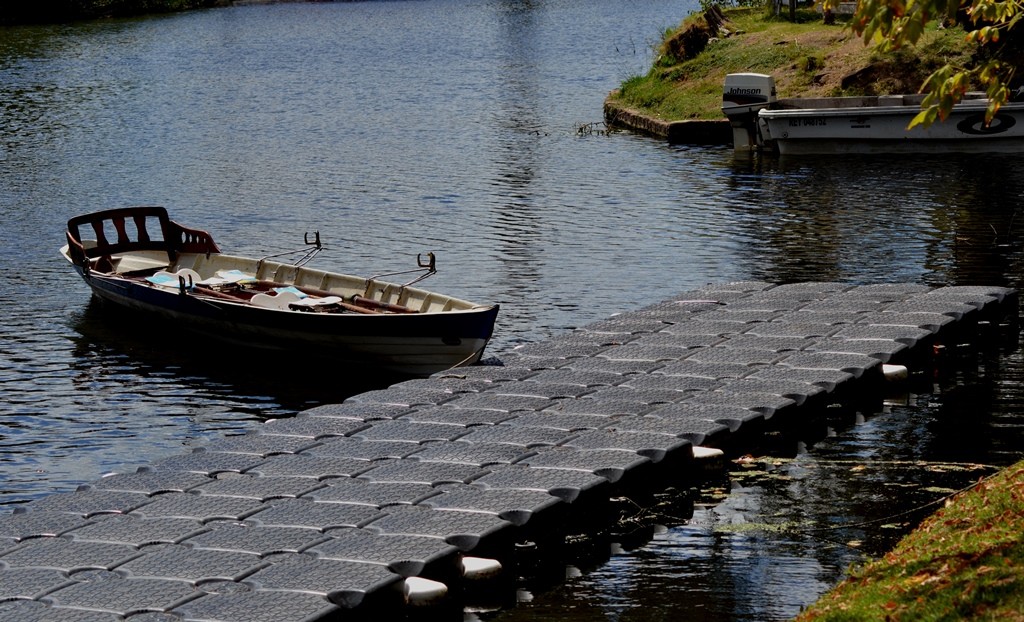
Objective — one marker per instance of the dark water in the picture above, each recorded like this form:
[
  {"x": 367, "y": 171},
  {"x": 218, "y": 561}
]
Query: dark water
[
  {"x": 784, "y": 526},
  {"x": 396, "y": 128}
]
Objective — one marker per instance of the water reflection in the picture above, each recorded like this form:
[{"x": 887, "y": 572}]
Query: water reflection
[
  {"x": 828, "y": 218},
  {"x": 123, "y": 381},
  {"x": 264, "y": 385},
  {"x": 782, "y": 528},
  {"x": 519, "y": 231}
]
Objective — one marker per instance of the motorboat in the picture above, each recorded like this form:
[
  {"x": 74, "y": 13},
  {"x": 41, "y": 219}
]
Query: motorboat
[{"x": 877, "y": 124}]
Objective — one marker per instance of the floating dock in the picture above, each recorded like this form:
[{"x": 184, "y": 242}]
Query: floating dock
[{"x": 416, "y": 494}]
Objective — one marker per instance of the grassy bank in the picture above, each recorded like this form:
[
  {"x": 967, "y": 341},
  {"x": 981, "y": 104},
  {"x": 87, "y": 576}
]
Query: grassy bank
[
  {"x": 965, "y": 562},
  {"x": 806, "y": 57}
]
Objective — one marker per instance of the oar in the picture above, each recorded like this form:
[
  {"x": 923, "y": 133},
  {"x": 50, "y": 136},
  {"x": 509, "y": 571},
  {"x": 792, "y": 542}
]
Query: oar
[{"x": 213, "y": 293}]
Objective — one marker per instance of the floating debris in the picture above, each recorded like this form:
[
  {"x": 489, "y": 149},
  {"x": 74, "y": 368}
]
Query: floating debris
[{"x": 599, "y": 128}]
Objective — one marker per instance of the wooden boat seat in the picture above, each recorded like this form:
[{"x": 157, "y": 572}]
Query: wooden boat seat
[
  {"x": 138, "y": 264},
  {"x": 145, "y": 233}
]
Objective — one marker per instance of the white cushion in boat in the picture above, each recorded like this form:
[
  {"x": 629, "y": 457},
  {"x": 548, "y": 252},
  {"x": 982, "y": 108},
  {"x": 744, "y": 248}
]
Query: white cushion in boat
[
  {"x": 172, "y": 279},
  {"x": 316, "y": 302},
  {"x": 223, "y": 277},
  {"x": 164, "y": 279},
  {"x": 277, "y": 301}
]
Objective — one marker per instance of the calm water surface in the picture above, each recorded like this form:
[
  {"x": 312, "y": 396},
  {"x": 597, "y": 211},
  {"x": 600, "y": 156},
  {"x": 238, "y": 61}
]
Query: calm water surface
[{"x": 395, "y": 128}]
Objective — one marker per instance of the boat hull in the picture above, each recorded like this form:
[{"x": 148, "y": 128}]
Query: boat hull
[
  {"x": 417, "y": 344},
  {"x": 883, "y": 129},
  {"x": 138, "y": 259}
]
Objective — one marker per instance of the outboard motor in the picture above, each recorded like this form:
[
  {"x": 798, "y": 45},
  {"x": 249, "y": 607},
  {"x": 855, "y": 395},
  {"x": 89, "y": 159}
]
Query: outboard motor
[{"x": 743, "y": 96}]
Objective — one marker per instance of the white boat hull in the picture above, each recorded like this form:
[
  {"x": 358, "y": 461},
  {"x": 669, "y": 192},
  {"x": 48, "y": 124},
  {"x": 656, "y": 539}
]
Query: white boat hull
[{"x": 883, "y": 129}]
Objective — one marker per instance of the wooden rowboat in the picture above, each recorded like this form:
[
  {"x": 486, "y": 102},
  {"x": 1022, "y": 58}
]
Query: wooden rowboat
[{"x": 139, "y": 259}]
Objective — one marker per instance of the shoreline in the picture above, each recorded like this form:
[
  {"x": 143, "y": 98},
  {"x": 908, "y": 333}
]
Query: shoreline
[{"x": 685, "y": 132}]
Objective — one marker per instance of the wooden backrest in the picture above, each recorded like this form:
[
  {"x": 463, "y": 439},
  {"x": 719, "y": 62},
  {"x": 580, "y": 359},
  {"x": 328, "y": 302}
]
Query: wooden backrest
[{"x": 134, "y": 229}]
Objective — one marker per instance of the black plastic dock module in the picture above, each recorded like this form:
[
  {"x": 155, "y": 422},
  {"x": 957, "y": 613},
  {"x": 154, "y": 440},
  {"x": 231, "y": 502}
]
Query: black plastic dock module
[
  {"x": 336, "y": 512},
  {"x": 409, "y": 556}
]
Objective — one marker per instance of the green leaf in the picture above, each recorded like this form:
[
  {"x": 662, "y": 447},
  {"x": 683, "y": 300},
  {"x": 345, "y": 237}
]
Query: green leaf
[{"x": 924, "y": 118}]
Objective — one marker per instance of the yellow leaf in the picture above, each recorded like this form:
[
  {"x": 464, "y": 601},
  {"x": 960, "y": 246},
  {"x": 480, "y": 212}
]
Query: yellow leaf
[{"x": 924, "y": 118}]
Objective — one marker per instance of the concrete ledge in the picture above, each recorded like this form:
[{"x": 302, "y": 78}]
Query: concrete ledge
[{"x": 688, "y": 132}]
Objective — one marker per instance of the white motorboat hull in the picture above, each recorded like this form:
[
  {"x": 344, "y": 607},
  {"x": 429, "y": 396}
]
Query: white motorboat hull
[{"x": 883, "y": 129}]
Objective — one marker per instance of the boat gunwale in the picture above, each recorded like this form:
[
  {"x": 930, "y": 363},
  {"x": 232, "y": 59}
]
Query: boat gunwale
[
  {"x": 860, "y": 111},
  {"x": 466, "y": 305}
]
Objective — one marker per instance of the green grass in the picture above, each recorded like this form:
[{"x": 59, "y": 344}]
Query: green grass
[
  {"x": 692, "y": 88},
  {"x": 807, "y": 58},
  {"x": 966, "y": 562}
]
